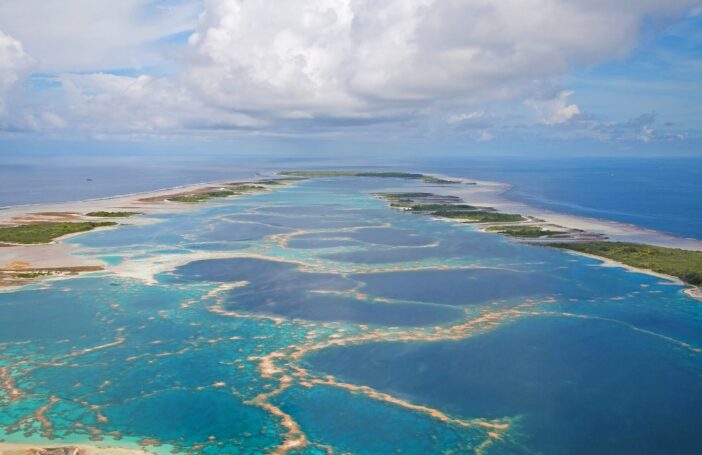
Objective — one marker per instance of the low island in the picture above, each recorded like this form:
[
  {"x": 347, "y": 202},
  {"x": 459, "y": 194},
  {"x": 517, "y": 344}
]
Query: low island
[
  {"x": 527, "y": 232},
  {"x": 46, "y": 232},
  {"x": 448, "y": 207},
  {"x": 378, "y": 174},
  {"x": 225, "y": 190},
  {"x": 106, "y": 214},
  {"x": 683, "y": 264}
]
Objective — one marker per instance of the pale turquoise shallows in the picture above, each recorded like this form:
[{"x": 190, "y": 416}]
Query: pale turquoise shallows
[{"x": 315, "y": 318}]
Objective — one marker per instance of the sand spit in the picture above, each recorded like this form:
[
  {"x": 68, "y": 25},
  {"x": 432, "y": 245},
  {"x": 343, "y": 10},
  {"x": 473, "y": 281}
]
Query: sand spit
[
  {"x": 694, "y": 292},
  {"x": 58, "y": 259},
  {"x": 29, "y": 449},
  {"x": 492, "y": 194},
  {"x": 14, "y": 275}
]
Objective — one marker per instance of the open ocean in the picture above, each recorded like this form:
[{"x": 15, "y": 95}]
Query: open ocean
[{"x": 660, "y": 194}]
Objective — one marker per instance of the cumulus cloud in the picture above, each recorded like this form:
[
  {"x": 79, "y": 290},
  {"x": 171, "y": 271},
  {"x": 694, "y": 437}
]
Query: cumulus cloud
[
  {"x": 142, "y": 104},
  {"x": 90, "y": 35},
  {"x": 351, "y": 57},
  {"x": 556, "y": 110},
  {"x": 475, "y": 119},
  {"x": 638, "y": 128},
  {"x": 326, "y": 64},
  {"x": 641, "y": 128},
  {"x": 292, "y": 60},
  {"x": 14, "y": 63}
]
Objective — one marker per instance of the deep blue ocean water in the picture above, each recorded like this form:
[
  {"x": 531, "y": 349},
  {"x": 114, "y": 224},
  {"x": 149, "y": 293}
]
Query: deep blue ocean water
[
  {"x": 663, "y": 194},
  {"x": 32, "y": 184}
]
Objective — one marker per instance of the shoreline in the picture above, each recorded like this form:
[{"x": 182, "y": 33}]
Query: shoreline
[
  {"x": 607, "y": 262},
  {"x": 22, "y": 209},
  {"x": 11, "y": 448},
  {"x": 38, "y": 258},
  {"x": 184, "y": 186},
  {"x": 145, "y": 270},
  {"x": 481, "y": 192},
  {"x": 58, "y": 255},
  {"x": 492, "y": 193}
]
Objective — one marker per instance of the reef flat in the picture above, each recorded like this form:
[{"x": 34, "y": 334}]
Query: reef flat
[
  {"x": 27, "y": 449},
  {"x": 251, "y": 324}
]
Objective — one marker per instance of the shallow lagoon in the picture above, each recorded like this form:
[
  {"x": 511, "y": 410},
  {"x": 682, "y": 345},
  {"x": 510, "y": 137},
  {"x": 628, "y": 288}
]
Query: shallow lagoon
[{"x": 439, "y": 338}]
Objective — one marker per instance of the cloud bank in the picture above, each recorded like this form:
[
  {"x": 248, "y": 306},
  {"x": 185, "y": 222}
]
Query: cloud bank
[
  {"x": 319, "y": 66},
  {"x": 14, "y": 62}
]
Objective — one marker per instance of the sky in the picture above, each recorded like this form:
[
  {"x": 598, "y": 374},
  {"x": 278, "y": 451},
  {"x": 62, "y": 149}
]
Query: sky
[{"x": 523, "y": 77}]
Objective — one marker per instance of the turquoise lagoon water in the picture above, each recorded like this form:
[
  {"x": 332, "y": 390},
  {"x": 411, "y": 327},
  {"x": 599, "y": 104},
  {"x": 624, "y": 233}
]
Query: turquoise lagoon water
[{"x": 315, "y": 319}]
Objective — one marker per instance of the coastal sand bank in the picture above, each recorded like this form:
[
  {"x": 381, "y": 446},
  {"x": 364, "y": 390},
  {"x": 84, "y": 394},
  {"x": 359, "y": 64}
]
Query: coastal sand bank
[{"x": 60, "y": 449}]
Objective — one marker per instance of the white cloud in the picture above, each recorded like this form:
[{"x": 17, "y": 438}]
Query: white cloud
[
  {"x": 14, "y": 62},
  {"x": 289, "y": 58},
  {"x": 90, "y": 35},
  {"x": 343, "y": 57},
  {"x": 646, "y": 134},
  {"x": 143, "y": 104},
  {"x": 556, "y": 110},
  {"x": 640, "y": 128},
  {"x": 485, "y": 136},
  {"x": 469, "y": 117},
  {"x": 321, "y": 64}
]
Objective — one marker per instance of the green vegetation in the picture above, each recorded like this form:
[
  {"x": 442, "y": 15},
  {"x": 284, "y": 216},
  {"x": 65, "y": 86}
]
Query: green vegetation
[
  {"x": 46, "y": 232},
  {"x": 437, "y": 180},
  {"x": 381, "y": 174},
  {"x": 280, "y": 181},
  {"x": 246, "y": 188},
  {"x": 105, "y": 214},
  {"x": 444, "y": 207},
  {"x": 481, "y": 216},
  {"x": 31, "y": 275},
  {"x": 202, "y": 197},
  {"x": 530, "y": 232},
  {"x": 231, "y": 189},
  {"x": 467, "y": 213},
  {"x": 684, "y": 264},
  {"x": 404, "y": 196}
]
